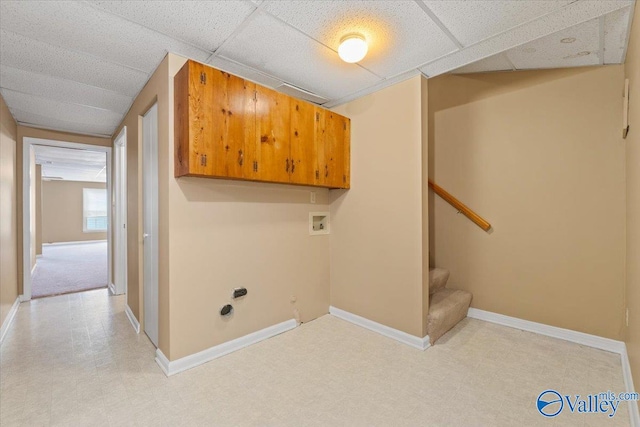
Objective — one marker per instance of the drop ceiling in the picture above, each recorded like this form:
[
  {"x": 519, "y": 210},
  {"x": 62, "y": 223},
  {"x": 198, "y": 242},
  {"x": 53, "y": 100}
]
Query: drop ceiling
[
  {"x": 68, "y": 164},
  {"x": 77, "y": 65}
]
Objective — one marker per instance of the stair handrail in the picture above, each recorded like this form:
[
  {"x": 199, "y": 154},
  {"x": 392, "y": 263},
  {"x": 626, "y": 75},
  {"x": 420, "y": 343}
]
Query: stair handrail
[{"x": 461, "y": 207}]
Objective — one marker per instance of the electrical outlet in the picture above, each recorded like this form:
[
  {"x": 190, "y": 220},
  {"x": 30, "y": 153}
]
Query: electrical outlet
[{"x": 313, "y": 197}]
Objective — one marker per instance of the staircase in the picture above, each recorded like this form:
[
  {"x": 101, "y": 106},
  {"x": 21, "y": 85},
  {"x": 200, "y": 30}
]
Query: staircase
[{"x": 447, "y": 307}]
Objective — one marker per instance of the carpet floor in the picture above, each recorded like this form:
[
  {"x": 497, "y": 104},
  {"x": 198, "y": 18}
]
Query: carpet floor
[{"x": 70, "y": 268}]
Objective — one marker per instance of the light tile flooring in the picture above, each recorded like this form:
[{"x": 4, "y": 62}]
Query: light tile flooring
[{"x": 75, "y": 360}]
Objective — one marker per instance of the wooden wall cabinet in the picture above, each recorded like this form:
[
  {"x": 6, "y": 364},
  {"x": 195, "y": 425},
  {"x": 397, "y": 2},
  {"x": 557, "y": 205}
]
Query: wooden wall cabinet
[{"x": 228, "y": 127}]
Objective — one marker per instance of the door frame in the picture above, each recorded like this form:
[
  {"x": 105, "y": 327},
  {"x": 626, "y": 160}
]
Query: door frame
[
  {"x": 119, "y": 206},
  {"x": 27, "y": 145},
  {"x": 150, "y": 197}
]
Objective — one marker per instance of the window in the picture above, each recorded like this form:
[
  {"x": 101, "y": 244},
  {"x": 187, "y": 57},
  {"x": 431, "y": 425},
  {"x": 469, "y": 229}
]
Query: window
[{"x": 94, "y": 209}]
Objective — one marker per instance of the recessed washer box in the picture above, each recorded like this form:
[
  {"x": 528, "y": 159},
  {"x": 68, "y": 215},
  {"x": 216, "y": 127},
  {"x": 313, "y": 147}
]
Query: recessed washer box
[{"x": 319, "y": 223}]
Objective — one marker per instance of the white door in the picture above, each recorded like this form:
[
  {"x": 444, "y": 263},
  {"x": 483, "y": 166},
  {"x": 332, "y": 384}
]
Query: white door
[
  {"x": 120, "y": 213},
  {"x": 150, "y": 220}
]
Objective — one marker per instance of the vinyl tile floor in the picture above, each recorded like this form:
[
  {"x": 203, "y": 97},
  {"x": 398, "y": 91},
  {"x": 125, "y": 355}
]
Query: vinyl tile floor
[{"x": 75, "y": 360}]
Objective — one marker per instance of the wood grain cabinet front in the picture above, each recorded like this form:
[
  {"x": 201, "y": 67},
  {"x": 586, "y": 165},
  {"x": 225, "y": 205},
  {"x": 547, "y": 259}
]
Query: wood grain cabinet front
[{"x": 228, "y": 127}]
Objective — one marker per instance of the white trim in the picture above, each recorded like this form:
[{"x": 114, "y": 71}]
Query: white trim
[
  {"x": 118, "y": 206},
  {"x": 132, "y": 319},
  {"x": 112, "y": 288},
  {"x": 628, "y": 383},
  {"x": 9, "y": 319},
  {"x": 550, "y": 331},
  {"x": 403, "y": 337},
  {"x": 77, "y": 242},
  {"x": 193, "y": 360}
]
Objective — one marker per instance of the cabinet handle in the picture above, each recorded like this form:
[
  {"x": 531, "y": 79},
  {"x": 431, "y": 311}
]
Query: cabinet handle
[
  {"x": 326, "y": 171},
  {"x": 287, "y": 168},
  {"x": 203, "y": 160},
  {"x": 255, "y": 166},
  {"x": 317, "y": 174},
  {"x": 293, "y": 165},
  {"x": 240, "y": 157}
]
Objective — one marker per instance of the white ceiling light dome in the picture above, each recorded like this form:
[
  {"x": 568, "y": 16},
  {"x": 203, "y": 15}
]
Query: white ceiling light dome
[{"x": 353, "y": 48}]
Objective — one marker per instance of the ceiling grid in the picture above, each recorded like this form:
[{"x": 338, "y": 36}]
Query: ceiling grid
[{"x": 77, "y": 66}]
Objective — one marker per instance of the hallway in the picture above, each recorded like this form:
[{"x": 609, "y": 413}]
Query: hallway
[{"x": 75, "y": 360}]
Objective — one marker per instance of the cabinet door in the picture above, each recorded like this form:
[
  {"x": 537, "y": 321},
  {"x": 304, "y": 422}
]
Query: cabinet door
[
  {"x": 200, "y": 125},
  {"x": 233, "y": 118},
  {"x": 304, "y": 160},
  {"x": 270, "y": 158},
  {"x": 333, "y": 149}
]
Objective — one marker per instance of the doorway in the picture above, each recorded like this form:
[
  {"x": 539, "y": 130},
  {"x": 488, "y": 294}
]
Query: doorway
[
  {"x": 66, "y": 217},
  {"x": 150, "y": 221}
]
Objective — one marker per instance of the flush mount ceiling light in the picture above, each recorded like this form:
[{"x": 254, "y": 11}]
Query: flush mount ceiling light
[{"x": 353, "y": 47}]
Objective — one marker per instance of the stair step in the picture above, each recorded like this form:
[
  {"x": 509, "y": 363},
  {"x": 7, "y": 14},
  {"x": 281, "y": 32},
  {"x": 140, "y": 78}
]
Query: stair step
[
  {"x": 437, "y": 279},
  {"x": 447, "y": 307}
]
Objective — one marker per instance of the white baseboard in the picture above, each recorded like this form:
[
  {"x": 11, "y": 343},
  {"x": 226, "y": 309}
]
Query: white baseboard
[
  {"x": 9, "y": 319},
  {"x": 395, "y": 334},
  {"x": 550, "y": 331},
  {"x": 175, "y": 366},
  {"x": 132, "y": 319},
  {"x": 634, "y": 414},
  {"x": 594, "y": 341},
  {"x": 78, "y": 242}
]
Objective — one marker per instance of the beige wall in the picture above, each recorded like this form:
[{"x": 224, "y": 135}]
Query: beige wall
[
  {"x": 62, "y": 217},
  {"x": 156, "y": 90},
  {"x": 632, "y": 71},
  {"x": 38, "y": 207},
  {"x": 377, "y": 226},
  {"x": 8, "y": 215},
  {"x": 539, "y": 154},
  {"x": 24, "y": 132},
  {"x": 225, "y": 234}
]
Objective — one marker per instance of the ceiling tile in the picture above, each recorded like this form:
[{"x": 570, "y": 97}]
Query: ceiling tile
[
  {"x": 271, "y": 46},
  {"x": 493, "y": 63},
  {"x": 206, "y": 24},
  {"x": 71, "y": 164},
  {"x": 30, "y": 118},
  {"x": 70, "y": 156},
  {"x": 575, "y": 13},
  {"x": 400, "y": 34},
  {"x": 616, "y": 31},
  {"x": 62, "y": 90},
  {"x": 472, "y": 21},
  {"x": 80, "y": 27},
  {"x": 17, "y": 51},
  {"x": 59, "y": 110},
  {"x": 551, "y": 52}
]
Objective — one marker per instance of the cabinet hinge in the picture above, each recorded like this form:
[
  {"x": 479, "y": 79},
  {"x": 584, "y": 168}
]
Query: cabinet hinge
[
  {"x": 317, "y": 117},
  {"x": 203, "y": 78},
  {"x": 345, "y": 125},
  {"x": 255, "y": 96},
  {"x": 203, "y": 160},
  {"x": 317, "y": 174}
]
